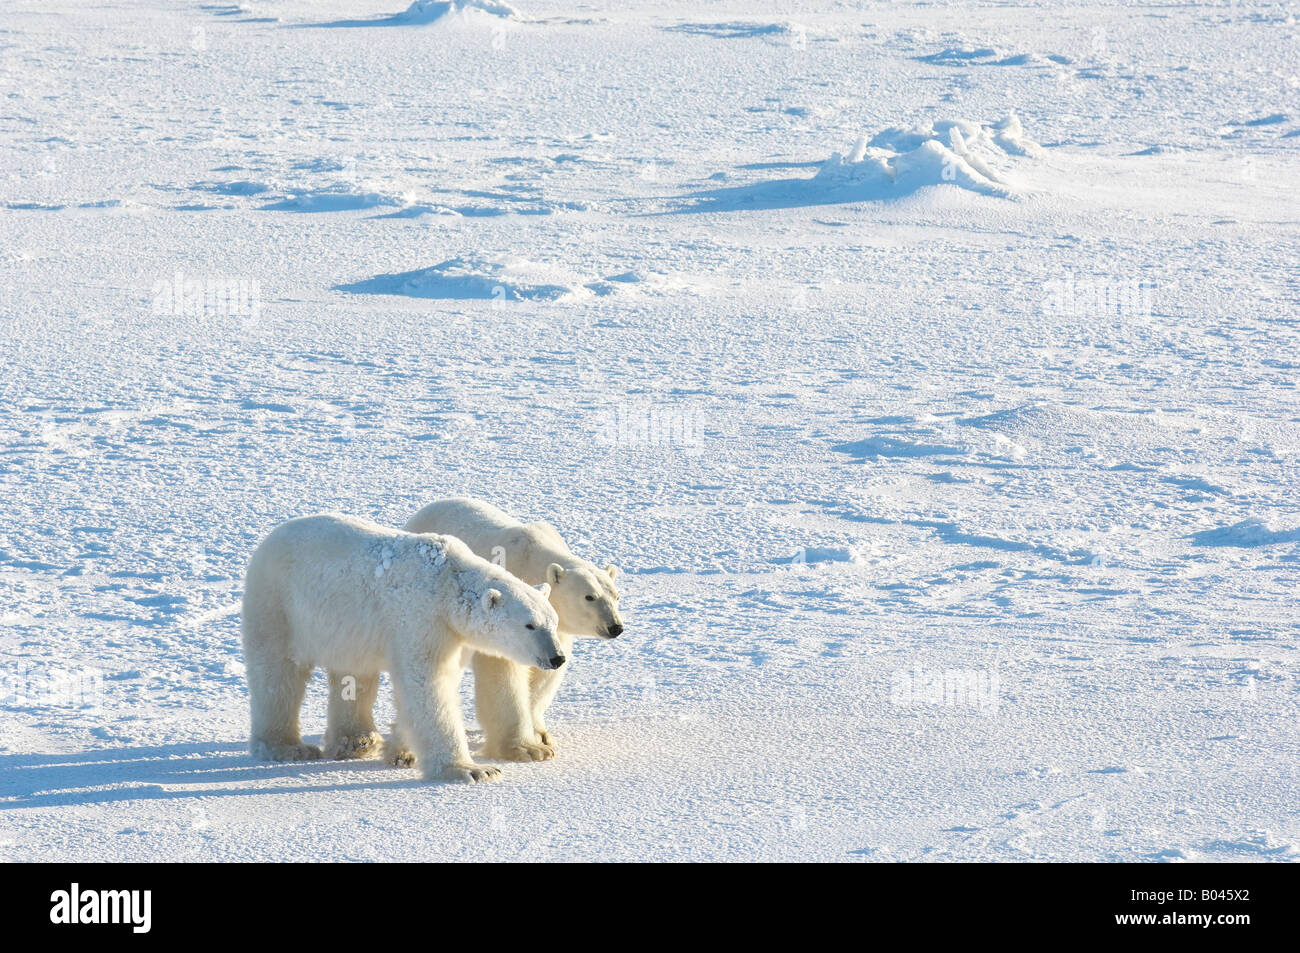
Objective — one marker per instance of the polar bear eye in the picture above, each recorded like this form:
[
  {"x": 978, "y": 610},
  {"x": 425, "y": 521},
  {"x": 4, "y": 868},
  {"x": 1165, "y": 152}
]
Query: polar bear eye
[
  {"x": 591, "y": 598},
  {"x": 529, "y": 626}
]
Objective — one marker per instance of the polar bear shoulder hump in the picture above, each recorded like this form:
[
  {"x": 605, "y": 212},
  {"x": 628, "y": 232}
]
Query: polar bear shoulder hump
[{"x": 546, "y": 534}]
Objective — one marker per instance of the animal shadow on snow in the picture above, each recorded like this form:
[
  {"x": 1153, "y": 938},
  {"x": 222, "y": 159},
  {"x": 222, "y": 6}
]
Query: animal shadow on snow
[{"x": 145, "y": 773}]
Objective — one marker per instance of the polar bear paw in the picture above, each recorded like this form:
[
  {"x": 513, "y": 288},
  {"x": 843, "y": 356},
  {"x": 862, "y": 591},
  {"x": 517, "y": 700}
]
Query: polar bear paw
[
  {"x": 287, "y": 752},
  {"x": 399, "y": 755},
  {"x": 519, "y": 751},
  {"x": 464, "y": 773},
  {"x": 354, "y": 746}
]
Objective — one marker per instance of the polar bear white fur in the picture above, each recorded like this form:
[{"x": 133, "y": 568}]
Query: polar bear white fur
[
  {"x": 359, "y": 599},
  {"x": 511, "y": 697}
]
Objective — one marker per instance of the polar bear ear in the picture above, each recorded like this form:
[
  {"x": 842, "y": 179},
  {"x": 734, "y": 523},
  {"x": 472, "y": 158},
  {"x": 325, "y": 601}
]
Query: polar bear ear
[
  {"x": 491, "y": 599},
  {"x": 554, "y": 573},
  {"x": 544, "y": 588},
  {"x": 612, "y": 570}
]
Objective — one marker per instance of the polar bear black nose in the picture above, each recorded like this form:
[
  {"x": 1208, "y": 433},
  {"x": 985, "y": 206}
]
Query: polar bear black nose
[
  {"x": 557, "y": 661},
  {"x": 615, "y": 630}
]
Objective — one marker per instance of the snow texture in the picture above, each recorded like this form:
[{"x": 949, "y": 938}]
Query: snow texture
[{"x": 953, "y": 477}]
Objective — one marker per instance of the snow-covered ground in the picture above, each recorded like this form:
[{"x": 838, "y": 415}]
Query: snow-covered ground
[{"x": 929, "y": 368}]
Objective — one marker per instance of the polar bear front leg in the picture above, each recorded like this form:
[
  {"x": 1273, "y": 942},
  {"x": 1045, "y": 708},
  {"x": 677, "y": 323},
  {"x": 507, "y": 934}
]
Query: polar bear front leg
[
  {"x": 350, "y": 723},
  {"x": 396, "y": 751},
  {"x": 542, "y": 687},
  {"x": 504, "y": 709},
  {"x": 426, "y": 683}
]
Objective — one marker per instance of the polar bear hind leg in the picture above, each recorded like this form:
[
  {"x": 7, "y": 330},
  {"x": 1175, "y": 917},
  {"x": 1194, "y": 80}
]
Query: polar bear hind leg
[
  {"x": 276, "y": 683},
  {"x": 276, "y": 688},
  {"x": 350, "y": 722}
]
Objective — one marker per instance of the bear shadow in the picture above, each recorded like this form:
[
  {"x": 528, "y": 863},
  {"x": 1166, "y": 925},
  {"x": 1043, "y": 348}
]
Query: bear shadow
[{"x": 112, "y": 775}]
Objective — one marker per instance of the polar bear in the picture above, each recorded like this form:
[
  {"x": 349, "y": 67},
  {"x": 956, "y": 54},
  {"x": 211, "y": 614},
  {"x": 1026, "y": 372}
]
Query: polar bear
[
  {"x": 359, "y": 598},
  {"x": 511, "y": 697}
]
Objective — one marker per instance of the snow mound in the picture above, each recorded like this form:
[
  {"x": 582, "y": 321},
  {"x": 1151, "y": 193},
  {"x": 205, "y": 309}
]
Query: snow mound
[
  {"x": 991, "y": 56},
  {"x": 505, "y": 279},
  {"x": 1034, "y": 59},
  {"x": 1247, "y": 533},
  {"x": 810, "y": 555},
  {"x": 422, "y": 209},
  {"x": 1256, "y": 844},
  {"x": 873, "y": 448},
  {"x": 736, "y": 29},
  {"x": 954, "y": 152},
  {"x": 428, "y": 11},
  {"x": 240, "y": 187},
  {"x": 338, "y": 197},
  {"x": 511, "y": 278},
  {"x": 1005, "y": 136},
  {"x": 1067, "y": 424},
  {"x": 962, "y": 55}
]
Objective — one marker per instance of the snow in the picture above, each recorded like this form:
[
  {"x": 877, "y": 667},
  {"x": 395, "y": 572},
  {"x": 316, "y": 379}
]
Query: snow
[
  {"x": 507, "y": 279},
  {"x": 953, "y": 479},
  {"x": 427, "y": 11},
  {"x": 951, "y": 151}
]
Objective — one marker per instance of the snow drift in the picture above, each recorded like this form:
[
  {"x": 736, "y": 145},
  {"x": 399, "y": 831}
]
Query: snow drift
[
  {"x": 954, "y": 152},
  {"x": 428, "y": 11},
  {"x": 893, "y": 164},
  {"x": 508, "y": 278}
]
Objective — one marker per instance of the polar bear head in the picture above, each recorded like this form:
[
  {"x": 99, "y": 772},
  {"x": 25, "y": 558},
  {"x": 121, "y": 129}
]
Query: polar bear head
[
  {"x": 500, "y": 615},
  {"x": 515, "y": 621},
  {"x": 585, "y": 599}
]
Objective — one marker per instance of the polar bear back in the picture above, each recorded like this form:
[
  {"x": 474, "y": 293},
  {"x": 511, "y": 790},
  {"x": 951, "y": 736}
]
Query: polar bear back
[
  {"x": 490, "y": 533},
  {"x": 462, "y": 516},
  {"x": 345, "y": 586}
]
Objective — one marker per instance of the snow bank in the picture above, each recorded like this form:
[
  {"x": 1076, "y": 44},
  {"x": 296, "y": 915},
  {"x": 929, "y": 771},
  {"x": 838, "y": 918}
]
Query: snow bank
[
  {"x": 739, "y": 29},
  {"x": 954, "y": 152},
  {"x": 1248, "y": 533},
  {"x": 337, "y": 197},
  {"x": 810, "y": 555},
  {"x": 427, "y": 11},
  {"x": 509, "y": 278},
  {"x": 991, "y": 56}
]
